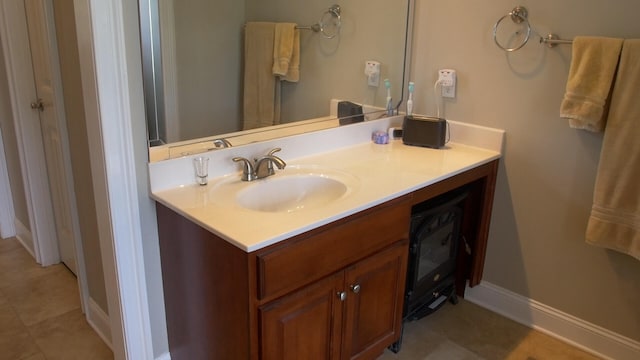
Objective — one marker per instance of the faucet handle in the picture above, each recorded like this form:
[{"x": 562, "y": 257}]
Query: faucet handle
[
  {"x": 280, "y": 163},
  {"x": 248, "y": 174}
]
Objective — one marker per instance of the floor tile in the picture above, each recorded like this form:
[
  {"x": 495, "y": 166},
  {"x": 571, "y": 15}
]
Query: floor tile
[
  {"x": 17, "y": 266},
  {"x": 15, "y": 340},
  {"x": 451, "y": 351},
  {"x": 9, "y": 244},
  {"x": 538, "y": 346},
  {"x": 38, "y": 356},
  {"x": 3, "y": 298},
  {"x": 417, "y": 342},
  {"x": 45, "y": 296},
  {"x": 69, "y": 337},
  {"x": 469, "y": 332},
  {"x": 40, "y": 317},
  {"x": 483, "y": 332}
]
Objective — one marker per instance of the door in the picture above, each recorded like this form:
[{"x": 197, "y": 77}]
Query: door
[
  {"x": 373, "y": 318},
  {"x": 304, "y": 325},
  {"x": 7, "y": 228},
  {"x": 48, "y": 103}
]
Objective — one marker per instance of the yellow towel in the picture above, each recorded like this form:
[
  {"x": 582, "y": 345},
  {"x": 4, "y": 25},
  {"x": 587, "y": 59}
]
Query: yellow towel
[
  {"x": 615, "y": 216},
  {"x": 259, "y": 103},
  {"x": 293, "y": 75},
  {"x": 593, "y": 65},
  {"x": 286, "y": 52}
]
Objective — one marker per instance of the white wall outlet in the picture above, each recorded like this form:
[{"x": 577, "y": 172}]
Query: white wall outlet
[
  {"x": 447, "y": 79},
  {"x": 372, "y": 70}
]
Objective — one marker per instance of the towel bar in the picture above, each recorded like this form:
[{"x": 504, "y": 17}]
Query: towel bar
[{"x": 552, "y": 40}]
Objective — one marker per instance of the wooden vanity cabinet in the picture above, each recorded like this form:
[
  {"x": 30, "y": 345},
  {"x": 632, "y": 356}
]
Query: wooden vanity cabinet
[
  {"x": 335, "y": 292},
  {"x": 353, "y": 314}
]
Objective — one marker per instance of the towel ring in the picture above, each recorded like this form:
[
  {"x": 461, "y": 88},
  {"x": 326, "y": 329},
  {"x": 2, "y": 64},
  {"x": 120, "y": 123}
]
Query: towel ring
[
  {"x": 517, "y": 15},
  {"x": 334, "y": 16}
]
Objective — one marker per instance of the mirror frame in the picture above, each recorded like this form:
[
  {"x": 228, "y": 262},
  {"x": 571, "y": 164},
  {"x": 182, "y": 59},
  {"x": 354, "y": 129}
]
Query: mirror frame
[{"x": 153, "y": 89}]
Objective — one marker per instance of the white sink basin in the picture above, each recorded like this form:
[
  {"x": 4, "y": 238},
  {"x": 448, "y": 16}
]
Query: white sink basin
[{"x": 293, "y": 189}]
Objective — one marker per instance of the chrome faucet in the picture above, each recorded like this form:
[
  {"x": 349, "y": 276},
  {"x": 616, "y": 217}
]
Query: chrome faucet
[
  {"x": 220, "y": 143},
  {"x": 262, "y": 167},
  {"x": 247, "y": 169}
]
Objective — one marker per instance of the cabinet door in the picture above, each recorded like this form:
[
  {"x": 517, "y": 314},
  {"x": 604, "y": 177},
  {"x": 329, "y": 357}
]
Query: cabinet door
[
  {"x": 305, "y": 324},
  {"x": 373, "y": 316}
]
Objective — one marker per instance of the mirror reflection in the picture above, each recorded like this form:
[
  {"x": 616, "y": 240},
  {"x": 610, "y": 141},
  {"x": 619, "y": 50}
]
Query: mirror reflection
[{"x": 200, "y": 56}]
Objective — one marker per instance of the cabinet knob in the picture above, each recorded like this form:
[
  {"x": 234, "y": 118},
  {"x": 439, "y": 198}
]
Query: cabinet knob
[
  {"x": 355, "y": 288},
  {"x": 342, "y": 295}
]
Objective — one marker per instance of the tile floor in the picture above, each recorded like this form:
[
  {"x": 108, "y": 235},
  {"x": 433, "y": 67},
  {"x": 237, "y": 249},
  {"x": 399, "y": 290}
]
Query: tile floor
[
  {"x": 469, "y": 332},
  {"x": 40, "y": 319},
  {"x": 40, "y": 316}
]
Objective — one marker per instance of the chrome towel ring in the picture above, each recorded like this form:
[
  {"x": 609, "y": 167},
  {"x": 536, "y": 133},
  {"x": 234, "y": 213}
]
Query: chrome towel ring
[
  {"x": 518, "y": 15},
  {"x": 329, "y": 24},
  {"x": 335, "y": 22}
]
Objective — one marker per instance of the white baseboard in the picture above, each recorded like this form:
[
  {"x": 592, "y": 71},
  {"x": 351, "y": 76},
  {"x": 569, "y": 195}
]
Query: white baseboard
[
  {"x": 568, "y": 328},
  {"x": 165, "y": 356},
  {"x": 24, "y": 237},
  {"x": 99, "y": 321}
]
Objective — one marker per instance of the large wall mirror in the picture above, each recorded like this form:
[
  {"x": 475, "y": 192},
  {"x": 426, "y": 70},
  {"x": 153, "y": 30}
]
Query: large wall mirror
[{"x": 194, "y": 61}]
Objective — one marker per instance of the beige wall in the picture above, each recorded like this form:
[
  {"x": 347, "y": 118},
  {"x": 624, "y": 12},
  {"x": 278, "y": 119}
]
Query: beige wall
[
  {"x": 546, "y": 179},
  {"x": 209, "y": 37},
  {"x": 329, "y": 68},
  {"x": 77, "y": 131},
  {"x": 11, "y": 149},
  {"x": 334, "y": 68}
]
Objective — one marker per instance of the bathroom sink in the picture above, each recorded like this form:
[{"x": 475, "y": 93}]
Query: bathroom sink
[{"x": 293, "y": 189}]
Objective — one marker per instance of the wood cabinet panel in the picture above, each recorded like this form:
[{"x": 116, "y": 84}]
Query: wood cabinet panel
[
  {"x": 315, "y": 323},
  {"x": 284, "y": 268},
  {"x": 305, "y": 324},
  {"x": 206, "y": 292},
  {"x": 374, "y": 304}
]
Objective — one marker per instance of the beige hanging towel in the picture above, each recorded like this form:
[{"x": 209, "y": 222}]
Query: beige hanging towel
[
  {"x": 286, "y": 52},
  {"x": 593, "y": 66},
  {"x": 259, "y": 103},
  {"x": 615, "y": 216}
]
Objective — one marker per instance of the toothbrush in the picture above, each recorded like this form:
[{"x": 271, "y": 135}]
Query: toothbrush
[
  {"x": 410, "y": 101},
  {"x": 387, "y": 84}
]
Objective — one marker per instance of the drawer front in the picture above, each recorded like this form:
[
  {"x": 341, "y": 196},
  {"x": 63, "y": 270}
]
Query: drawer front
[{"x": 309, "y": 257}]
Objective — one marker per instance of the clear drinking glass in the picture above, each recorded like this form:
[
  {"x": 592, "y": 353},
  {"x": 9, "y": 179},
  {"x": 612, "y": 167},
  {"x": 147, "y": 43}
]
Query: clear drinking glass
[{"x": 202, "y": 169}]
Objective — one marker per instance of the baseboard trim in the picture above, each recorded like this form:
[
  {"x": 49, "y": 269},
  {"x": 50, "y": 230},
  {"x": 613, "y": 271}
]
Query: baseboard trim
[
  {"x": 23, "y": 234},
  {"x": 99, "y": 321},
  {"x": 577, "y": 332}
]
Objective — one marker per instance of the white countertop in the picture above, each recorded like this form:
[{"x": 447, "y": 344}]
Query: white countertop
[{"x": 383, "y": 172}]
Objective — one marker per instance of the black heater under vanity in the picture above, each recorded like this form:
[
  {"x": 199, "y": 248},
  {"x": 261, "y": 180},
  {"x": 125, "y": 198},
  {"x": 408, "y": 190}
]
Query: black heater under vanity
[{"x": 434, "y": 240}]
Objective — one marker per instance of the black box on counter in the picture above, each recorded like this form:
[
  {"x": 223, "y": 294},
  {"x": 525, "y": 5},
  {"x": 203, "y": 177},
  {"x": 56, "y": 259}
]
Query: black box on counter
[{"x": 426, "y": 131}]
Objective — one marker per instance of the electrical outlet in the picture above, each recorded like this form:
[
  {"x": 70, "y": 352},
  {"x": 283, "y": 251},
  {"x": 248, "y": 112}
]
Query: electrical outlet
[
  {"x": 447, "y": 79},
  {"x": 372, "y": 71}
]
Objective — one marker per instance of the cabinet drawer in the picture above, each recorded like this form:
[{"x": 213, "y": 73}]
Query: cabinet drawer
[{"x": 309, "y": 257}]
